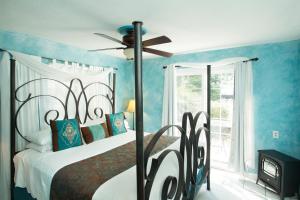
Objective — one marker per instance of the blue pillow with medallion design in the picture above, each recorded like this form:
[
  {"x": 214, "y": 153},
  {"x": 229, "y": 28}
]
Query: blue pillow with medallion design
[
  {"x": 115, "y": 123},
  {"x": 65, "y": 134}
]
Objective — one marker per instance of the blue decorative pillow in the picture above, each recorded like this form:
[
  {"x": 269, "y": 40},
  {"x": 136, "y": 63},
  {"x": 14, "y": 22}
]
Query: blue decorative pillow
[
  {"x": 65, "y": 134},
  {"x": 115, "y": 123}
]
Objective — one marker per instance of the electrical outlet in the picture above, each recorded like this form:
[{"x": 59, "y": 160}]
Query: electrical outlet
[{"x": 275, "y": 134}]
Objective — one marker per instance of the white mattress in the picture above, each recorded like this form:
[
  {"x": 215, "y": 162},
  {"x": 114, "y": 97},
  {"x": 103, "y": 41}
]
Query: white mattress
[{"x": 35, "y": 170}]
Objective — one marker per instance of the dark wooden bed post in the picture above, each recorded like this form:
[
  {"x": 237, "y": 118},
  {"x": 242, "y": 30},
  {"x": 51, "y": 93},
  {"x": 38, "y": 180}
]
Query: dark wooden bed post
[
  {"x": 12, "y": 124},
  {"x": 139, "y": 110},
  {"x": 208, "y": 122},
  {"x": 114, "y": 93}
]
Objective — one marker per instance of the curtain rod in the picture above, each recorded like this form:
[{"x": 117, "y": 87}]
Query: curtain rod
[
  {"x": 244, "y": 61},
  {"x": 7, "y": 52},
  {"x": 11, "y": 56}
]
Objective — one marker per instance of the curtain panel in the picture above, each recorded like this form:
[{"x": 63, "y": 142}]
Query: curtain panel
[
  {"x": 4, "y": 126},
  {"x": 242, "y": 156},
  {"x": 169, "y": 99}
]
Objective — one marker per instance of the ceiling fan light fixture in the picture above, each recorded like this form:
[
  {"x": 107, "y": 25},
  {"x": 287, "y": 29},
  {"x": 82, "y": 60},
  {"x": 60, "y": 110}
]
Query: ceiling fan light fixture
[{"x": 129, "y": 53}]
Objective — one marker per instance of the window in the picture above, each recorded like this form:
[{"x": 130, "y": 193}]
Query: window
[
  {"x": 191, "y": 96},
  {"x": 191, "y": 91},
  {"x": 222, "y": 96}
]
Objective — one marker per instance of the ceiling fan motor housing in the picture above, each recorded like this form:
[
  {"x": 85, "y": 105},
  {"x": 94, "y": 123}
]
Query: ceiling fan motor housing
[
  {"x": 128, "y": 32},
  {"x": 129, "y": 39}
]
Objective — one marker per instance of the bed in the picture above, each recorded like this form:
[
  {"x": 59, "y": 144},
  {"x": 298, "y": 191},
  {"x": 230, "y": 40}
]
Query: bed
[
  {"x": 35, "y": 170},
  {"x": 164, "y": 167}
]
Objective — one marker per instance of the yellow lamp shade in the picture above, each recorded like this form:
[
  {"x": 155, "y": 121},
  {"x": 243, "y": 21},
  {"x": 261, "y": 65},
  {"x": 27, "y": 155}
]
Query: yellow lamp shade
[{"x": 131, "y": 106}]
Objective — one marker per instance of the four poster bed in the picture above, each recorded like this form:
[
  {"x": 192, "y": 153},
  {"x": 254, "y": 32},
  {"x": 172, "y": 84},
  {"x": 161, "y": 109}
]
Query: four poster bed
[{"x": 164, "y": 167}]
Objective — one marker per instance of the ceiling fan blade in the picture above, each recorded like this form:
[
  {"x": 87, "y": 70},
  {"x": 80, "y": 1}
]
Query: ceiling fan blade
[
  {"x": 158, "y": 52},
  {"x": 108, "y": 49},
  {"x": 156, "y": 41},
  {"x": 110, "y": 38}
]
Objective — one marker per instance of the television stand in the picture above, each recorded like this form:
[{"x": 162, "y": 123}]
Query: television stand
[{"x": 280, "y": 172}]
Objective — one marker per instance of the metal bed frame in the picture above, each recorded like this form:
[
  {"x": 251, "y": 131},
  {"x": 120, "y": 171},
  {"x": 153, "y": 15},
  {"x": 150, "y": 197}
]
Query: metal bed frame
[
  {"x": 173, "y": 187},
  {"x": 98, "y": 112},
  {"x": 184, "y": 187}
]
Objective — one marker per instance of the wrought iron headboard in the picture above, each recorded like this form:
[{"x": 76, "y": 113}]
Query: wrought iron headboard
[
  {"x": 64, "y": 102},
  {"x": 82, "y": 118}
]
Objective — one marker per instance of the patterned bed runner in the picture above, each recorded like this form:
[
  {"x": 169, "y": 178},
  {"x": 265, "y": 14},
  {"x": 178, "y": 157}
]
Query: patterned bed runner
[{"x": 80, "y": 180}]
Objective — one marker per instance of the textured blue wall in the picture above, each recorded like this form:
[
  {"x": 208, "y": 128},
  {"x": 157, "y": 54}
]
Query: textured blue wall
[
  {"x": 37, "y": 46},
  {"x": 276, "y": 82},
  {"x": 276, "y": 90}
]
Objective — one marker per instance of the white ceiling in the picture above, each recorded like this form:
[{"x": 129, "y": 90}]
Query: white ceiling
[{"x": 192, "y": 25}]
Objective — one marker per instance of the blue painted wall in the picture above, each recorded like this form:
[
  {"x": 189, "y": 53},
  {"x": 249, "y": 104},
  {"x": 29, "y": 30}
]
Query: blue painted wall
[
  {"x": 276, "y": 82},
  {"x": 38, "y": 46},
  {"x": 276, "y": 90}
]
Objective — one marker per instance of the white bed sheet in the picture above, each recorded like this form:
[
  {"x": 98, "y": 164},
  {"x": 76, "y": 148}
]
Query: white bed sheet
[{"x": 35, "y": 170}]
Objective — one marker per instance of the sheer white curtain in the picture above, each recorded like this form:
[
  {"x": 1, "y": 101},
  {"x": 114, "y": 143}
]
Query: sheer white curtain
[
  {"x": 62, "y": 72},
  {"x": 242, "y": 155},
  {"x": 4, "y": 126},
  {"x": 104, "y": 77},
  {"x": 28, "y": 119},
  {"x": 169, "y": 98},
  {"x": 31, "y": 117}
]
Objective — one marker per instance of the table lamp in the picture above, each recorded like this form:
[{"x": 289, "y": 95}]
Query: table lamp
[{"x": 131, "y": 109}]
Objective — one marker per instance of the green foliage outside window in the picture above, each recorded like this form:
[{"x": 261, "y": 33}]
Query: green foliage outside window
[{"x": 217, "y": 110}]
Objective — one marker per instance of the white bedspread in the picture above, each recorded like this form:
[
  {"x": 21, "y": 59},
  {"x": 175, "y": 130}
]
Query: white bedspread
[{"x": 35, "y": 170}]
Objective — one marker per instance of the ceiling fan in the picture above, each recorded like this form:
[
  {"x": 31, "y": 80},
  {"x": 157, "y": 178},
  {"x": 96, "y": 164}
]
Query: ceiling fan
[{"x": 128, "y": 42}]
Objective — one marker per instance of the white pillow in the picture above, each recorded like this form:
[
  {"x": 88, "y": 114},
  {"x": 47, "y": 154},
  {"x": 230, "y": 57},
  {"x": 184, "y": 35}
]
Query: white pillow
[
  {"x": 39, "y": 148},
  {"x": 126, "y": 124},
  {"x": 94, "y": 122},
  {"x": 41, "y": 137}
]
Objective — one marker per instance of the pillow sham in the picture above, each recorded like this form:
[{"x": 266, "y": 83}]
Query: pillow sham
[
  {"x": 39, "y": 148},
  {"x": 94, "y": 132},
  {"x": 115, "y": 123},
  {"x": 65, "y": 134},
  {"x": 41, "y": 137}
]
